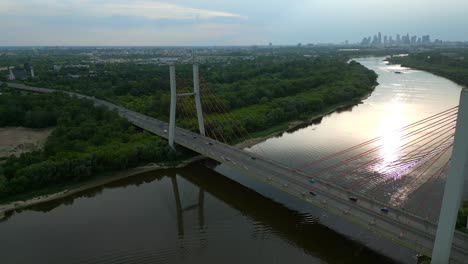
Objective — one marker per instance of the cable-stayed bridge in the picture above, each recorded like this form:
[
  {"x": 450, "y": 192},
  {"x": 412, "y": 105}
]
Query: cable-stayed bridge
[{"x": 386, "y": 194}]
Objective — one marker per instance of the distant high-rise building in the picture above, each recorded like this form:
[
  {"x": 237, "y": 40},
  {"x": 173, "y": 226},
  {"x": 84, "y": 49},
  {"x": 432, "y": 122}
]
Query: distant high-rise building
[
  {"x": 385, "y": 40},
  {"x": 425, "y": 39},
  {"x": 413, "y": 39},
  {"x": 379, "y": 38},
  {"x": 375, "y": 40},
  {"x": 398, "y": 39},
  {"x": 366, "y": 41}
]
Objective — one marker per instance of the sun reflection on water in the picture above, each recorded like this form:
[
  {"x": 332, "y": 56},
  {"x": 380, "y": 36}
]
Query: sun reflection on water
[{"x": 391, "y": 140}]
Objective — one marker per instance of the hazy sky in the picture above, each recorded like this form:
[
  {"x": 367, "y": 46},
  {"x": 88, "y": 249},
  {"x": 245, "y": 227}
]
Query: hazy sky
[{"x": 224, "y": 22}]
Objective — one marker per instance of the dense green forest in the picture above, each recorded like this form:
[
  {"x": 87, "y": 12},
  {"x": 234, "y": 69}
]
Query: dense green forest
[
  {"x": 258, "y": 92},
  {"x": 451, "y": 64},
  {"x": 87, "y": 140}
]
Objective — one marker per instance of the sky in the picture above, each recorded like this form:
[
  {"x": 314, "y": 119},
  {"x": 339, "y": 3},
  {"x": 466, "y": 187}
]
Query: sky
[{"x": 224, "y": 22}]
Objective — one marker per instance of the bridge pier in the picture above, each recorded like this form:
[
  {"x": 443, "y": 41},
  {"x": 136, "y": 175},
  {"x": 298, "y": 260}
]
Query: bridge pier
[
  {"x": 453, "y": 187},
  {"x": 172, "y": 113}
]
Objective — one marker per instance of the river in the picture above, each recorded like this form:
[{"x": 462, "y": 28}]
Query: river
[{"x": 196, "y": 215}]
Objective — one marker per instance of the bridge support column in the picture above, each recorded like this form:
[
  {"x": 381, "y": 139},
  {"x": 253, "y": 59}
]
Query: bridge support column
[
  {"x": 453, "y": 187},
  {"x": 172, "y": 113},
  {"x": 196, "y": 92}
]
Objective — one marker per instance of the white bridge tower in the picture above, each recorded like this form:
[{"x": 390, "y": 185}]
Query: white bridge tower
[
  {"x": 195, "y": 93},
  {"x": 453, "y": 192}
]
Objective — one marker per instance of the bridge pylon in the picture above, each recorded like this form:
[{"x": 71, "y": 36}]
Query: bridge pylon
[
  {"x": 174, "y": 95},
  {"x": 453, "y": 191}
]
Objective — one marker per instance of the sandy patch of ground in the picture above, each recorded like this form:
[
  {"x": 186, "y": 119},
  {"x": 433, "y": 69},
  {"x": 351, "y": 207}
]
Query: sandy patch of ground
[{"x": 16, "y": 140}]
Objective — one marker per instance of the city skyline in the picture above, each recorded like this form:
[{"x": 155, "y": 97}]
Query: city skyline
[{"x": 400, "y": 39}]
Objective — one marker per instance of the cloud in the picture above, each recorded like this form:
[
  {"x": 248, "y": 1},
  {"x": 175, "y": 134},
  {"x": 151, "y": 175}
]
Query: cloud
[
  {"x": 159, "y": 10},
  {"x": 154, "y": 10}
]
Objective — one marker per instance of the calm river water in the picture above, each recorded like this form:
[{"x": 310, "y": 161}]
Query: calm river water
[{"x": 196, "y": 215}]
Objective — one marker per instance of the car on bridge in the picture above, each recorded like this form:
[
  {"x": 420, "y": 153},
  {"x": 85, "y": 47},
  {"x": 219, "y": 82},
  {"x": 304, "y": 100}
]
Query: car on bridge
[{"x": 384, "y": 210}]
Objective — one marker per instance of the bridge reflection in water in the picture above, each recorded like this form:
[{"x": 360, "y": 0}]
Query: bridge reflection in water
[{"x": 208, "y": 217}]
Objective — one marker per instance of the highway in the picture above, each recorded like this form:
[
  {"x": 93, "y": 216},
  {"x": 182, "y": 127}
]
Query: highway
[{"x": 402, "y": 227}]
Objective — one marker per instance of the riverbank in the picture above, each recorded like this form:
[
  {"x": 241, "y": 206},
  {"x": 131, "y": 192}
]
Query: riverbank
[
  {"x": 457, "y": 74},
  {"x": 292, "y": 125},
  {"x": 96, "y": 182}
]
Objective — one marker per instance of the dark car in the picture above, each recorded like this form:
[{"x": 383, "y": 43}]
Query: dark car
[
  {"x": 384, "y": 210},
  {"x": 312, "y": 193},
  {"x": 254, "y": 158},
  {"x": 354, "y": 199}
]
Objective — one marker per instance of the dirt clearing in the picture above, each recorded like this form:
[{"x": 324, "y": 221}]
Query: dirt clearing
[{"x": 16, "y": 140}]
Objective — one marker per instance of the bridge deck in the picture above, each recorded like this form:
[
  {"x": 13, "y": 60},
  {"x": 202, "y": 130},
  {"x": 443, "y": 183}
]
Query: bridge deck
[{"x": 401, "y": 227}]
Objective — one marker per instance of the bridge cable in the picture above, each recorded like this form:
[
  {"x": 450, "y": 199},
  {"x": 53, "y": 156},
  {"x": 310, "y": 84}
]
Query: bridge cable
[{"x": 367, "y": 152}]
